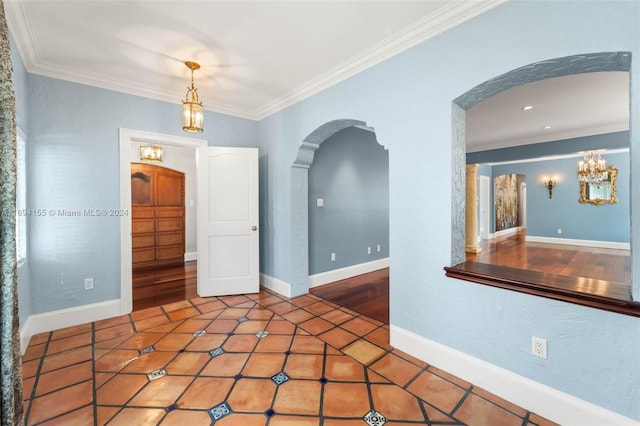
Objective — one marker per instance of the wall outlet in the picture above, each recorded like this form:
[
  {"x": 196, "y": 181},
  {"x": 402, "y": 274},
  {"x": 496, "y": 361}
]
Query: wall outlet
[
  {"x": 539, "y": 347},
  {"x": 320, "y": 202},
  {"x": 559, "y": 231},
  {"x": 378, "y": 248},
  {"x": 88, "y": 283},
  {"x": 333, "y": 257},
  {"x": 368, "y": 250}
]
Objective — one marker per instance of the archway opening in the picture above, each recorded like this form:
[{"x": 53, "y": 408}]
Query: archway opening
[
  {"x": 578, "y": 64},
  {"x": 375, "y": 253}
]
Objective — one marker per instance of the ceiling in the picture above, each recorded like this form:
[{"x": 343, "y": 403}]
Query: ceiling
[
  {"x": 261, "y": 56},
  {"x": 562, "y": 107},
  {"x": 257, "y": 57}
]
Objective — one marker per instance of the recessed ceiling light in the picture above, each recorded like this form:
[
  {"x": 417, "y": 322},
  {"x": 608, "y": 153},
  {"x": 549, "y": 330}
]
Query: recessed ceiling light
[
  {"x": 546, "y": 127},
  {"x": 527, "y": 107}
]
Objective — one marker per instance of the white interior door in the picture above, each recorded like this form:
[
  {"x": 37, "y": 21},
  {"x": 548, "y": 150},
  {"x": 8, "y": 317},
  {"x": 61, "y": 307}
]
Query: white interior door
[{"x": 228, "y": 237}]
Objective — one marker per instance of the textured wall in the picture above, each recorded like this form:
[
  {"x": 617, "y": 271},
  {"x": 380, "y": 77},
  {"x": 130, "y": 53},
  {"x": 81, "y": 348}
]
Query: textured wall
[
  {"x": 407, "y": 100},
  {"x": 350, "y": 172},
  {"x": 73, "y": 165}
]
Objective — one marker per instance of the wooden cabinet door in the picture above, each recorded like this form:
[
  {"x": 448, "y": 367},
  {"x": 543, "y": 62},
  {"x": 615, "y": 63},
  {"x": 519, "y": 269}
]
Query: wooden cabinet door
[
  {"x": 157, "y": 199},
  {"x": 141, "y": 185},
  {"x": 168, "y": 188}
]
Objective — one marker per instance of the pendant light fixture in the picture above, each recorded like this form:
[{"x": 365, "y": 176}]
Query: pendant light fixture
[{"x": 192, "y": 110}]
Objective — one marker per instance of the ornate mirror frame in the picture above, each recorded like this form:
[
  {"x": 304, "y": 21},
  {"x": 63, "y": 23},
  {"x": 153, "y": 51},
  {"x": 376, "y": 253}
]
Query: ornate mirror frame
[{"x": 613, "y": 199}]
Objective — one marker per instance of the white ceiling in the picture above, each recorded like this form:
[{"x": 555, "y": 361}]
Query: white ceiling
[
  {"x": 261, "y": 56},
  {"x": 573, "y": 106},
  {"x": 257, "y": 57}
]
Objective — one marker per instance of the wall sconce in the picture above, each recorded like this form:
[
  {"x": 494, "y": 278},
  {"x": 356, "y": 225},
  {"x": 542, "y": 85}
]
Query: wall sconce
[
  {"x": 192, "y": 110},
  {"x": 550, "y": 184},
  {"x": 150, "y": 152}
]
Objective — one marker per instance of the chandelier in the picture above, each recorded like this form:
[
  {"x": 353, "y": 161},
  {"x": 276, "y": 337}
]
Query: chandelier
[
  {"x": 593, "y": 169},
  {"x": 192, "y": 110}
]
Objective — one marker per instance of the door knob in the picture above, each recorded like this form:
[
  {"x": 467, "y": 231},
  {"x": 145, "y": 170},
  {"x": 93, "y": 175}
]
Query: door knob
[{"x": 254, "y": 228}]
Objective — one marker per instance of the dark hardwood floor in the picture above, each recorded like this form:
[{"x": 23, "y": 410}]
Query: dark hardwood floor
[
  {"x": 602, "y": 272},
  {"x": 367, "y": 294},
  {"x": 156, "y": 286},
  {"x": 570, "y": 261}
]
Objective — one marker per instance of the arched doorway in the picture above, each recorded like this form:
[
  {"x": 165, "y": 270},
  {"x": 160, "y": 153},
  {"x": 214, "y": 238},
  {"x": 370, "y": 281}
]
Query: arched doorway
[
  {"x": 299, "y": 199},
  {"x": 558, "y": 67}
]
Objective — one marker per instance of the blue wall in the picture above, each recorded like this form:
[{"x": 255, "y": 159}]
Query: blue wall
[
  {"x": 20, "y": 81},
  {"x": 74, "y": 164},
  {"x": 407, "y": 100},
  {"x": 609, "y": 222},
  {"x": 593, "y": 354},
  {"x": 350, "y": 172}
]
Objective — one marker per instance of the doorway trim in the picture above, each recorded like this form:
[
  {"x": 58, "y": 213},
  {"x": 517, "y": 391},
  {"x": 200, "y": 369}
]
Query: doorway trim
[
  {"x": 127, "y": 137},
  {"x": 299, "y": 277}
]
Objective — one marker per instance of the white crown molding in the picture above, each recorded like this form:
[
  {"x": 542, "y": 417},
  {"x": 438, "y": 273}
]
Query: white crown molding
[
  {"x": 430, "y": 26},
  {"x": 580, "y": 154},
  {"x": 446, "y": 18},
  {"x": 549, "y": 137}
]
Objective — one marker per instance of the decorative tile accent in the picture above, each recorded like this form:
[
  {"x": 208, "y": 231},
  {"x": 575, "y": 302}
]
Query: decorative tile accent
[
  {"x": 263, "y": 333},
  {"x": 156, "y": 374},
  {"x": 373, "y": 418},
  {"x": 269, "y": 413},
  {"x": 237, "y": 376},
  {"x": 146, "y": 350},
  {"x": 323, "y": 380},
  {"x": 199, "y": 333},
  {"x": 219, "y": 411},
  {"x": 243, "y": 319},
  {"x": 215, "y": 352},
  {"x": 280, "y": 378},
  {"x": 171, "y": 408}
]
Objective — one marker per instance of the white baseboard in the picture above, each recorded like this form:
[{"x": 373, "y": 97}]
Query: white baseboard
[
  {"x": 188, "y": 257},
  {"x": 275, "y": 284},
  {"x": 573, "y": 242},
  {"x": 62, "y": 318},
  {"x": 543, "y": 400},
  {"x": 506, "y": 232},
  {"x": 348, "y": 272}
]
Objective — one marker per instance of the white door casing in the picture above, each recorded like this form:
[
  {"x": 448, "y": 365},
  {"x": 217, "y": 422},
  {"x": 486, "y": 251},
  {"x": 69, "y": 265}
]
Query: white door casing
[{"x": 228, "y": 237}]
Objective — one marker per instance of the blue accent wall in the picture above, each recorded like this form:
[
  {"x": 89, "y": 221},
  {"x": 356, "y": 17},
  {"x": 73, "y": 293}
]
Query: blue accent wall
[
  {"x": 74, "y": 165},
  {"x": 609, "y": 222},
  {"x": 350, "y": 172}
]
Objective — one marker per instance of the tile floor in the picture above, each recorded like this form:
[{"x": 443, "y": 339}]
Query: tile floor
[{"x": 258, "y": 359}]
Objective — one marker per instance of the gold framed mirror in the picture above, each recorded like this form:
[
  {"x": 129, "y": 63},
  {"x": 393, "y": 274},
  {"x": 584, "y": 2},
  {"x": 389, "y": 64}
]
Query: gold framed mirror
[{"x": 602, "y": 193}]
